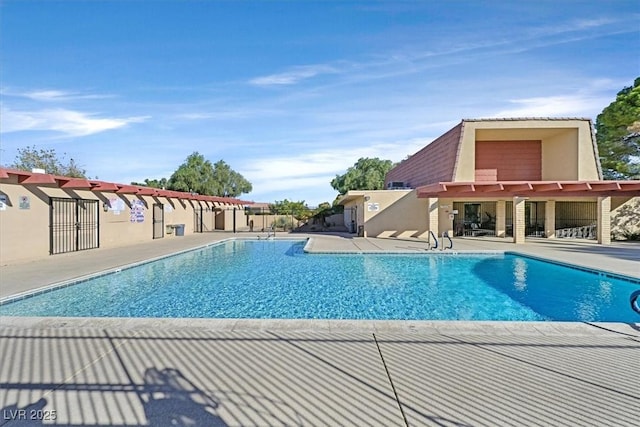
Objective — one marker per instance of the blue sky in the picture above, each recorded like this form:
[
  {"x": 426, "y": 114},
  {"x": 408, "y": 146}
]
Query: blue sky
[{"x": 290, "y": 94}]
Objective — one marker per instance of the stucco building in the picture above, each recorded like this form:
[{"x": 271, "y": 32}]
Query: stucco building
[
  {"x": 499, "y": 177},
  {"x": 43, "y": 214}
]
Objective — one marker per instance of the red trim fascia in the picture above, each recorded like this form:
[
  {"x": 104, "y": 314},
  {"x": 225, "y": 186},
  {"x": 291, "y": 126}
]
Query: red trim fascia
[
  {"x": 605, "y": 186},
  {"x": 170, "y": 194},
  {"x": 460, "y": 187},
  {"x": 546, "y": 186},
  {"x": 489, "y": 187},
  {"x": 105, "y": 186},
  {"x": 576, "y": 186},
  {"x": 431, "y": 190},
  {"x": 147, "y": 191},
  {"x": 517, "y": 186},
  {"x": 3, "y": 174},
  {"x": 37, "y": 178},
  {"x": 127, "y": 189},
  {"x": 73, "y": 183},
  {"x": 629, "y": 185}
]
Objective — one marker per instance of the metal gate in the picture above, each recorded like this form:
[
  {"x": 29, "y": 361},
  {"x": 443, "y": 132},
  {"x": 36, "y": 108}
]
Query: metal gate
[
  {"x": 158, "y": 220},
  {"x": 197, "y": 219},
  {"x": 74, "y": 225}
]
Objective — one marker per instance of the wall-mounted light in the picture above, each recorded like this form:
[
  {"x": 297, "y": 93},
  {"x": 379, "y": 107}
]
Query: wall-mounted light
[
  {"x": 105, "y": 207},
  {"x": 367, "y": 198}
]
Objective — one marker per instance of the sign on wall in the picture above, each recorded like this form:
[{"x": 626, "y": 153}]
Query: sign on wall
[
  {"x": 25, "y": 202},
  {"x": 137, "y": 211},
  {"x": 373, "y": 207},
  {"x": 3, "y": 202},
  {"x": 116, "y": 205}
]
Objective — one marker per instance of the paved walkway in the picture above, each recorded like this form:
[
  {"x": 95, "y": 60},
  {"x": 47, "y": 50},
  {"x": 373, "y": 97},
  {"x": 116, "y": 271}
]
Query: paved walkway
[{"x": 244, "y": 372}]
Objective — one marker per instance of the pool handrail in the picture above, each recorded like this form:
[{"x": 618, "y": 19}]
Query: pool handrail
[
  {"x": 446, "y": 234},
  {"x": 435, "y": 238}
]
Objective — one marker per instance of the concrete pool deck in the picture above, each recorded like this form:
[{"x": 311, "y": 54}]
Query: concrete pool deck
[{"x": 240, "y": 372}]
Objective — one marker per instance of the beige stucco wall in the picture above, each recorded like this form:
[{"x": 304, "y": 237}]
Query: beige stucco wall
[
  {"x": 400, "y": 214},
  {"x": 116, "y": 228},
  {"x": 567, "y": 146},
  {"x": 354, "y": 209},
  {"x": 25, "y": 234},
  {"x": 388, "y": 213},
  {"x": 445, "y": 223}
]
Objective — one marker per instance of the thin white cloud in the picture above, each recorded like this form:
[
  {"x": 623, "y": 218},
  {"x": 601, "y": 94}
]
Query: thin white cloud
[
  {"x": 554, "y": 106},
  {"x": 68, "y": 122},
  {"x": 412, "y": 61},
  {"x": 316, "y": 169},
  {"x": 294, "y": 75},
  {"x": 52, "y": 95},
  {"x": 230, "y": 114}
]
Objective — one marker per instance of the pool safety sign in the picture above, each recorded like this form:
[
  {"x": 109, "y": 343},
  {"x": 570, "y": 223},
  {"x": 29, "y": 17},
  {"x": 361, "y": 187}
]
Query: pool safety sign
[{"x": 137, "y": 211}]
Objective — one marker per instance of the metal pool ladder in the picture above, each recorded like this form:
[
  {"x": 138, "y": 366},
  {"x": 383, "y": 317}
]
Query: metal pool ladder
[
  {"x": 435, "y": 239},
  {"x": 445, "y": 234},
  {"x": 271, "y": 233}
]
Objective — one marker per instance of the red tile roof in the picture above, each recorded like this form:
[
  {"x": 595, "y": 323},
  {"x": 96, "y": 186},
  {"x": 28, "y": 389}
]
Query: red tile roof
[
  {"x": 24, "y": 177},
  {"x": 435, "y": 162}
]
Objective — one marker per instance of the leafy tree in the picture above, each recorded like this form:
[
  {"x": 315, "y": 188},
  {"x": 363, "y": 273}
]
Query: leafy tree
[
  {"x": 31, "y": 158},
  {"x": 197, "y": 174},
  {"x": 194, "y": 175},
  {"x": 324, "y": 210},
  {"x": 227, "y": 182},
  {"x": 299, "y": 210},
  {"x": 153, "y": 183},
  {"x": 618, "y": 135},
  {"x": 365, "y": 174},
  {"x": 323, "y": 206}
]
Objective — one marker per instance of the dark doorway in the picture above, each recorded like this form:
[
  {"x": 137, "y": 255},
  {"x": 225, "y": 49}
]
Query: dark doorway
[{"x": 158, "y": 220}]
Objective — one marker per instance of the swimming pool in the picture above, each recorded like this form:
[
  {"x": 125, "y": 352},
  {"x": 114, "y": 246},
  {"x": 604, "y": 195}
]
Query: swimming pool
[{"x": 276, "y": 279}]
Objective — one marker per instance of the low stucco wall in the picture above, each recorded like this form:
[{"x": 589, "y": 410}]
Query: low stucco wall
[
  {"x": 396, "y": 213},
  {"x": 25, "y": 218}
]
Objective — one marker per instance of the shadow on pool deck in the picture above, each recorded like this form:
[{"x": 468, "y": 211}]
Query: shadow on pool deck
[
  {"x": 256, "y": 372},
  {"x": 94, "y": 376}
]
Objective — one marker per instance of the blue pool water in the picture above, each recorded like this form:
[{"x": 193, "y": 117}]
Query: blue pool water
[{"x": 276, "y": 279}]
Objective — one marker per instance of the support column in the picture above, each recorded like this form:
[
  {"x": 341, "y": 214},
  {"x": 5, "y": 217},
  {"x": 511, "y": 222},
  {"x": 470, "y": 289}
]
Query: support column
[
  {"x": 432, "y": 215},
  {"x": 518, "y": 220},
  {"x": 604, "y": 220},
  {"x": 550, "y": 219},
  {"x": 501, "y": 218}
]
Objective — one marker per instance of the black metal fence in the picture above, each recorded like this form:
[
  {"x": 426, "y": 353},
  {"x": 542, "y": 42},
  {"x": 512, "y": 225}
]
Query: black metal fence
[
  {"x": 74, "y": 225},
  {"x": 577, "y": 220},
  {"x": 576, "y": 214}
]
